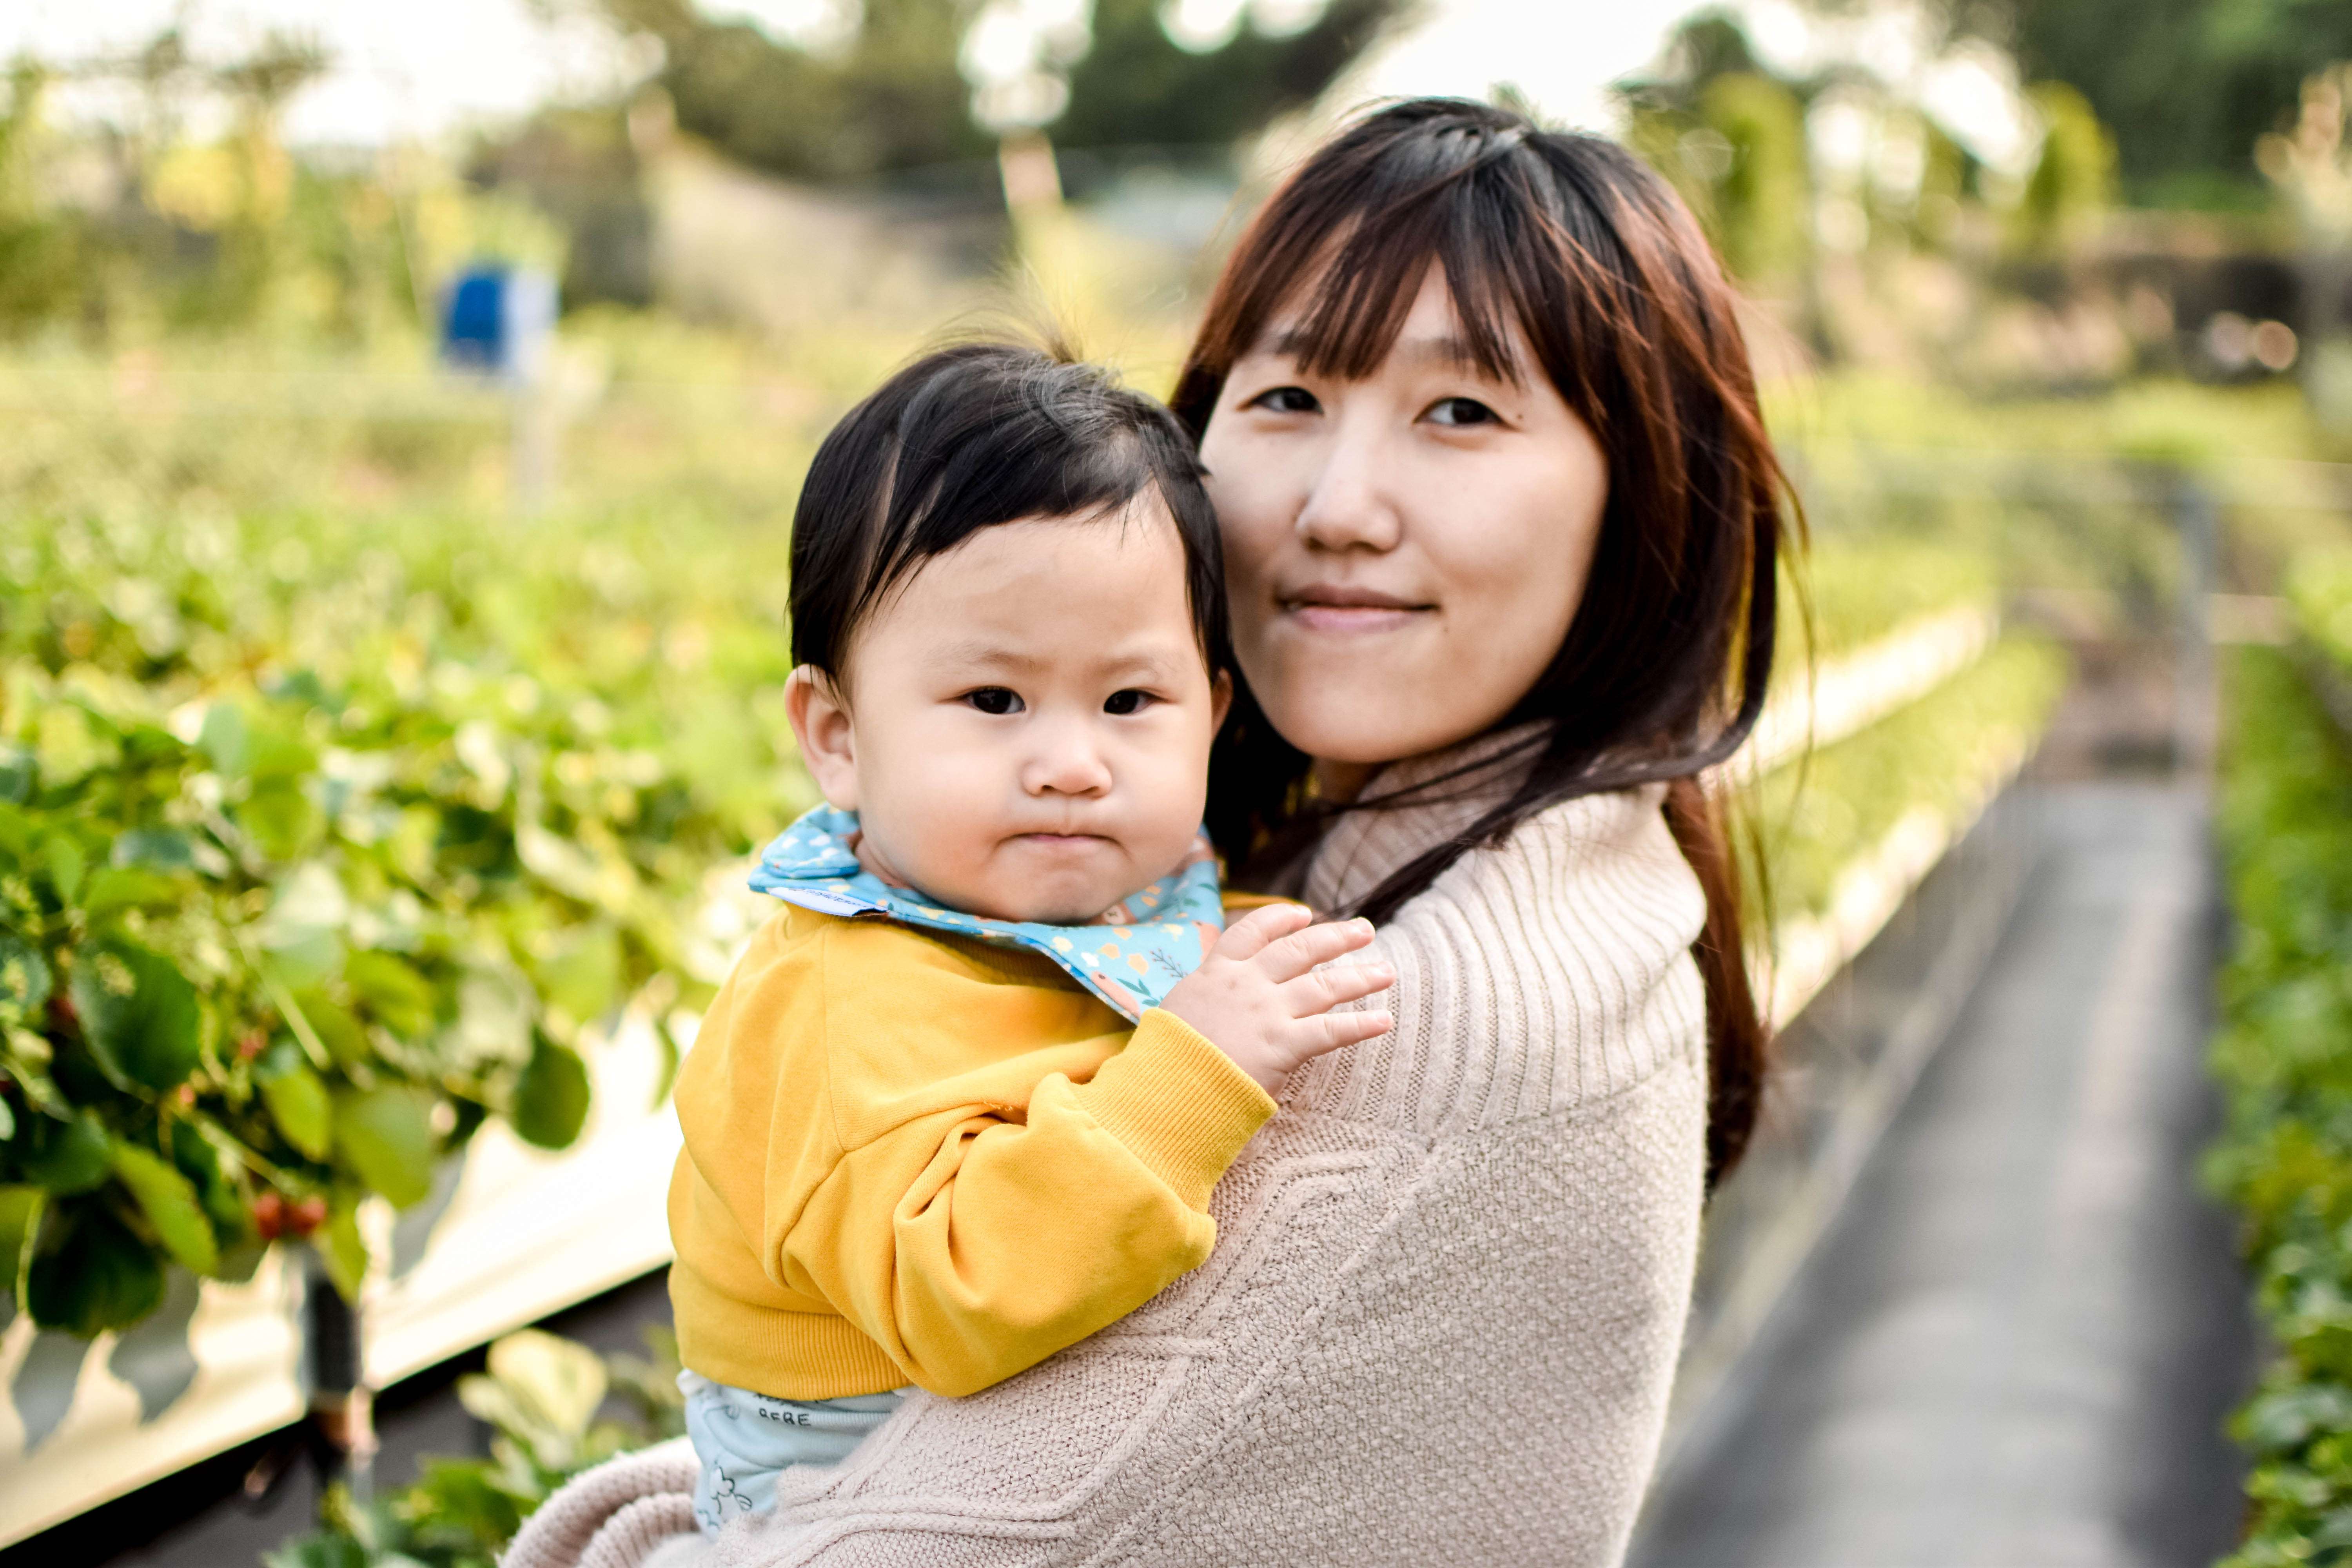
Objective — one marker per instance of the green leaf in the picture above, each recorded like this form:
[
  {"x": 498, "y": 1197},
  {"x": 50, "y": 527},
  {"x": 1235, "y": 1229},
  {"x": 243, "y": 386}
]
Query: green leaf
[
  {"x": 70, "y": 748},
  {"x": 97, "y": 1276},
  {"x": 401, "y": 999},
  {"x": 168, "y": 1199},
  {"x": 276, "y": 754},
  {"x": 66, "y": 866},
  {"x": 542, "y": 1391},
  {"x": 550, "y": 1098},
  {"x": 139, "y": 1014},
  {"x": 298, "y": 1103},
  {"x": 583, "y": 975},
  {"x": 222, "y": 739},
  {"x": 309, "y": 896},
  {"x": 24, "y": 973},
  {"x": 68, "y": 1157},
  {"x": 325, "y": 1550},
  {"x": 285, "y": 823},
  {"x": 340, "y": 1246},
  {"x": 8, "y": 1123},
  {"x": 161, "y": 848},
  {"x": 20, "y": 1224},
  {"x": 494, "y": 1013},
  {"x": 343, "y": 1035},
  {"x": 465, "y": 1496},
  {"x": 384, "y": 1137},
  {"x": 116, "y": 887},
  {"x": 199, "y": 1160}
]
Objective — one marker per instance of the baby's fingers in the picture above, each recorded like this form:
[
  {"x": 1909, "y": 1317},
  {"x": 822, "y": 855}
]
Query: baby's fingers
[
  {"x": 1251, "y": 934},
  {"x": 1333, "y": 1031},
  {"x": 1301, "y": 951},
  {"x": 1324, "y": 989}
]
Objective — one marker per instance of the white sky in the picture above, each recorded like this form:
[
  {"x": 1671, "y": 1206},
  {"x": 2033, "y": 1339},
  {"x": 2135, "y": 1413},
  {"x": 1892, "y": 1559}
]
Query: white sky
[{"x": 417, "y": 68}]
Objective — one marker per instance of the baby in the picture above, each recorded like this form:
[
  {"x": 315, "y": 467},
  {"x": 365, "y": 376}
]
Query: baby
[{"x": 963, "y": 1101}]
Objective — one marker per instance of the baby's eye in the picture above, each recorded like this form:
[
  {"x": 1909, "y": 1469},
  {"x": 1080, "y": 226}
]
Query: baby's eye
[
  {"x": 1286, "y": 400},
  {"x": 1130, "y": 701},
  {"x": 994, "y": 699},
  {"x": 1461, "y": 411}
]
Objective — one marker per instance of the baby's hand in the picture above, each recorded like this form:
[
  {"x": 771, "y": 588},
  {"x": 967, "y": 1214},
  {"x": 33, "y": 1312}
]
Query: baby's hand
[{"x": 1259, "y": 998}]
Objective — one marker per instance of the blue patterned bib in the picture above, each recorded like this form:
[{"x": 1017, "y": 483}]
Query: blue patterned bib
[{"x": 1142, "y": 947}]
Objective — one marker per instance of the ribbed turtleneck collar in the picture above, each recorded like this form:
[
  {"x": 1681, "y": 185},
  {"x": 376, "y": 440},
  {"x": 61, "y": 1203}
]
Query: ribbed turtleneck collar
[{"x": 1366, "y": 844}]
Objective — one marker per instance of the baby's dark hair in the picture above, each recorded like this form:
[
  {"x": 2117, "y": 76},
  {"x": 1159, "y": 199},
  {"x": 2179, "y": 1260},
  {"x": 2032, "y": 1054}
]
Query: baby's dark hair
[{"x": 973, "y": 435}]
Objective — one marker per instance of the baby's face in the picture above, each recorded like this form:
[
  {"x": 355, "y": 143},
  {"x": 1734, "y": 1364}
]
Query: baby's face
[{"x": 1028, "y": 718}]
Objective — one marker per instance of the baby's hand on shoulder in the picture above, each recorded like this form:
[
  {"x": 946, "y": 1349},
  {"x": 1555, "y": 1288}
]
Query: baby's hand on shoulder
[{"x": 1259, "y": 997}]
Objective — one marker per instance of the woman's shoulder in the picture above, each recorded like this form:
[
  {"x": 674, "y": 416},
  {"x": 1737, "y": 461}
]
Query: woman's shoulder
[{"x": 1596, "y": 851}]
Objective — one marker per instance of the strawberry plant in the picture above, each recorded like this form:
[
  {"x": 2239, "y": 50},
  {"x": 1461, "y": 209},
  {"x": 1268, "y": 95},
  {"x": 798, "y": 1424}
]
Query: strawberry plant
[{"x": 304, "y": 878}]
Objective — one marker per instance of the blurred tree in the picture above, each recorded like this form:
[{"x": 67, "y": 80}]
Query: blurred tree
[
  {"x": 2188, "y": 85},
  {"x": 255, "y": 239},
  {"x": 36, "y": 251},
  {"x": 893, "y": 96},
  {"x": 578, "y": 166},
  {"x": 1731, "y": 138},
  {"x": 2311, "y": 164},
  {"x": 1139, "y": 86},
  {"x": 2073, "y": 180}
]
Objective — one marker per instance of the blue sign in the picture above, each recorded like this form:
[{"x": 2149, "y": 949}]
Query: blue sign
[{"x": 496, "y": 319}]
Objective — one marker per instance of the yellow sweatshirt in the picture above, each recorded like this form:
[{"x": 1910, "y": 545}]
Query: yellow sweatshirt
[{"x": 912, "y": 1157}]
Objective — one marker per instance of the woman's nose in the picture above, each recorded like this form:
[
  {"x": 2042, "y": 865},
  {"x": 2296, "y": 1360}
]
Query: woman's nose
[
  {"x": 1066, "y": 762},
  {"x": 1349, "y": 505}
]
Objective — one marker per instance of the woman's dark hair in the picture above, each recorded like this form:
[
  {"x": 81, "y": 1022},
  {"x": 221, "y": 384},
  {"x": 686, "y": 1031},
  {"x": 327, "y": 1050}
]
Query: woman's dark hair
[
  {"x": 1570, "y": 240},
  {"x": 969, "y": 436}
]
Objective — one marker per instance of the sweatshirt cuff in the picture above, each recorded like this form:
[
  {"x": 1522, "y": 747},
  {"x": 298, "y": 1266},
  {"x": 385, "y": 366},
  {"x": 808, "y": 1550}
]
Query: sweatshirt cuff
[{"x": 1178, "y": 1103}]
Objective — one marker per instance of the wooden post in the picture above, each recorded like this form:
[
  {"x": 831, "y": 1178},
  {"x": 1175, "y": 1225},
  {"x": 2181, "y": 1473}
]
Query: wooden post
[{"x": 343, "y": 1407}]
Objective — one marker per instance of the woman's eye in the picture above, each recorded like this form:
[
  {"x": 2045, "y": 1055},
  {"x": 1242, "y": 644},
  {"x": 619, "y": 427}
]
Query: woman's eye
[
  {"x": 1286, "y": 400},
  {"x": 1121, "y": 703},
  {"x": 994, "y": 699},
  {"x": 1461, "y": 411}
]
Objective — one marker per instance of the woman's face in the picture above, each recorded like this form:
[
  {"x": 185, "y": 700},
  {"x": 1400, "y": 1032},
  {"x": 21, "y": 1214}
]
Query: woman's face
[{"x": 1404, "y": 553}]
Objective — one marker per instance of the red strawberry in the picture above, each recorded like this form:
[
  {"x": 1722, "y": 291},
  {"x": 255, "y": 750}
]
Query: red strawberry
[
  {"x": 269, "y": 1215},
  {"x": 307, "y": 1216}
]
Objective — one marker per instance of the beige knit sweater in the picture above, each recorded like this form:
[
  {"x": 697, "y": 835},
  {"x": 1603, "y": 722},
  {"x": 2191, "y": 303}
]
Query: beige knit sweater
[{"x": 1450, "y": 1278}]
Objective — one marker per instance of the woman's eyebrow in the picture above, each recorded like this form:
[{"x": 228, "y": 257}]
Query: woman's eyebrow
[{"x": 1450, "y": 349}]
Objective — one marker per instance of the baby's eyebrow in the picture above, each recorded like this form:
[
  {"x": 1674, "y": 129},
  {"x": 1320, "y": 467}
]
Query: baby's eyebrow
[
  {"x": 995, "y": 656},
  {"x": 992, "y": 654}
]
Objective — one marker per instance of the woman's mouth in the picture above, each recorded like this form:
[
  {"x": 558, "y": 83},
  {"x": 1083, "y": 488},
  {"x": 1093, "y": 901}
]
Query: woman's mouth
[{"x": 1332, "y": 608}]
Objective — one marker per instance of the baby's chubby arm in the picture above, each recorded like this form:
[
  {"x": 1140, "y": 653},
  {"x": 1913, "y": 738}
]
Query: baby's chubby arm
[{"x": 973, "y": 1241}]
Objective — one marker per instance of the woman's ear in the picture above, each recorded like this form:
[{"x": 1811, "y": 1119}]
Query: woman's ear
[
  {"x": 820, "y": 716},
  {"x": 1220, "y": 699}
]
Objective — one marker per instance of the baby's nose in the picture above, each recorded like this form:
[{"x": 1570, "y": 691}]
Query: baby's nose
[{"x": 1070, "y": 765}]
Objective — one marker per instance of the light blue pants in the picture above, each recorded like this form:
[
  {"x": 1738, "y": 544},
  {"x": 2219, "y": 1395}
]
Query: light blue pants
[{"x": 744, "y": 1440}]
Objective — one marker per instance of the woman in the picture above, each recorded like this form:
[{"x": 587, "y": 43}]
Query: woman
[{"x": 1501, "y": 524}]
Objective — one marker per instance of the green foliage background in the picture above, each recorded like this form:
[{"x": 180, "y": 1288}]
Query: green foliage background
[
  {"x": 324, "y": 837},
  {"x": 2284, "y": 1060}
]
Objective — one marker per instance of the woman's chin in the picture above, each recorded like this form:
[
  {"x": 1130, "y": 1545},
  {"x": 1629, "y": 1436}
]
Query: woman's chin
[{"x": 1370, "y": 727}]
